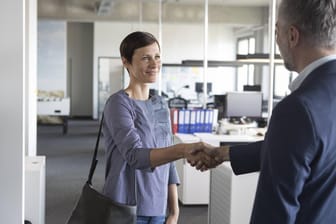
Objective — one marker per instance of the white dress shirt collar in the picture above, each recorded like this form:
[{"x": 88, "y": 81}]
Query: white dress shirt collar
[{"x": 308, "y": 69}]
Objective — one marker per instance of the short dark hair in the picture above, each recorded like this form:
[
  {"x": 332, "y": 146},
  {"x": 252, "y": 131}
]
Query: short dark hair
[
  {"x": 134, "y": 41},
  {"x": 316, "y": 19}
]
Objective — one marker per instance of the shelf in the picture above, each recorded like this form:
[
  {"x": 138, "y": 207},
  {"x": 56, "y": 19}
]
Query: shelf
[{"x": 237, "y": 63}]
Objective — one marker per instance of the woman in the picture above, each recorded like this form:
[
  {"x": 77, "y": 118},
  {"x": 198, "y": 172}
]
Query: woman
[{"x": 138, "y": 138}]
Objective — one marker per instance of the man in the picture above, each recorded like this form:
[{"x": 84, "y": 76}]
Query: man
[{"x": 297, "y": 159}]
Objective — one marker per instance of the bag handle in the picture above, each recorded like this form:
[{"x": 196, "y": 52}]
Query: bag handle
[{"x": 94, "y": 158}]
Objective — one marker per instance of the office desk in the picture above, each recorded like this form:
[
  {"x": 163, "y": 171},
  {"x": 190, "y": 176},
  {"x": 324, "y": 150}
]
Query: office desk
[
  {"x": 231, "y": 196},
  {"x": 59, "y": 107},
  {"x": 195, "y": 185},
  {"x": 216, "y": 140}
]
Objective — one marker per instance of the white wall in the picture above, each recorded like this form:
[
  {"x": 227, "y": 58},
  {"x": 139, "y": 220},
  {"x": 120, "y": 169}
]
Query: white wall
[
  {"x": 12, "y": 111},
  {"x": 80, "y": 67},
  {"x": 52, "y": 56},
  {"x": 179, "y": 42}
]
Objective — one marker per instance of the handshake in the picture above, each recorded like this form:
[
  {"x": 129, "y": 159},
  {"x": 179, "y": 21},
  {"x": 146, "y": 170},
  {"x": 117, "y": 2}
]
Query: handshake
[{"x": 203, "y": 156}]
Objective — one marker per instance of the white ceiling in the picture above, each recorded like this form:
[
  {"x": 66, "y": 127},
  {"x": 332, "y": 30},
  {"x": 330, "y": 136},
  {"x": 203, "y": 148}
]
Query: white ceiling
[{"x": 127, "y": 10}]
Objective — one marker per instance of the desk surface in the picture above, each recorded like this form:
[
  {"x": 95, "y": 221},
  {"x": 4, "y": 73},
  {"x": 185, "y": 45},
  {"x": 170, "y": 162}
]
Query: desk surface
[
  {"x": 186, "y": 138},
  {"x": 211, "y": 137},
  {"x": 229, "y": 138}
]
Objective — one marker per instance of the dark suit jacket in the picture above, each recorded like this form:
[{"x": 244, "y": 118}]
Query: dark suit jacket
[{"x": 297, "y": 159}]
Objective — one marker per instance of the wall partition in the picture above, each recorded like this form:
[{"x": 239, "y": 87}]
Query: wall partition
[{"x": 182, "y": 28}]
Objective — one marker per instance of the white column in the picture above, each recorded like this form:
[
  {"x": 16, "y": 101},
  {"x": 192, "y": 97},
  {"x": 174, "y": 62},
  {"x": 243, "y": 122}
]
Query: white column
[
  {"x": 161, "y": 45},
  {"x": 205, "y": 57},
  {"x": 140, "y": 14},
  {"x": 271, "y": 42},
  {"x": 12, "y": 110},
  {"x": 31, "y": 71}
]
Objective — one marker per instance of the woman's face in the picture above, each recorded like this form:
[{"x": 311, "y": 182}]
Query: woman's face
[{"x": 146, "y": 64}]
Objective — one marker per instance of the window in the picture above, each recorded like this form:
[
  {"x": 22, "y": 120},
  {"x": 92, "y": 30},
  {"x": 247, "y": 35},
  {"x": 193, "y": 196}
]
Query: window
[
  {"x": 282, "y": 79},
  {"x": 245, "y": 74}
]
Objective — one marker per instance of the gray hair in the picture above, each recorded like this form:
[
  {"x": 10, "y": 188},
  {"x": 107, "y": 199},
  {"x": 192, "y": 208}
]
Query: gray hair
[{"x": 315, "y": 19}]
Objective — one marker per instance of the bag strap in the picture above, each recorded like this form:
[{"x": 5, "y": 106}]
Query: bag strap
[{"x": 94, "y": 158}]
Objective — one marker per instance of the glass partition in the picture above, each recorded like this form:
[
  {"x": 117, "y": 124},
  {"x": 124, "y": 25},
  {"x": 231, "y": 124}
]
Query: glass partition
[
  {"x": 181, "y": 80},
  {"x": 110, "y": 79}
]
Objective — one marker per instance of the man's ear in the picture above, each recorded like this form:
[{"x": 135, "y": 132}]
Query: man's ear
[
  {"x": 293, "y": 36},
  {"x": 124, "y": 61}
]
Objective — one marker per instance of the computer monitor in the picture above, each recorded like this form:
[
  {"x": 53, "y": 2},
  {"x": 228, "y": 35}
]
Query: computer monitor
[
  {"x": 252, "y": 88},
  {"x": 243, "y": 104},
  {"x": 199, "y": 87},
  {"x": 219, "y": 101}
]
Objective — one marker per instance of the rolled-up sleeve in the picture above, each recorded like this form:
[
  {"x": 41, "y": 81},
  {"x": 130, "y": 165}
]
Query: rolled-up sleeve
[{"x": 173, "y": 176}]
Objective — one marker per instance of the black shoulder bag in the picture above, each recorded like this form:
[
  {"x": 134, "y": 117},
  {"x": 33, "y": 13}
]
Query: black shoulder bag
[{"x": 95, "y": 208}]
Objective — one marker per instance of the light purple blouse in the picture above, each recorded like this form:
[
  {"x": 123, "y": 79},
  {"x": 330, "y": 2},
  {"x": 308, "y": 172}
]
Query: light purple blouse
[{"x": 131, "y": 128}]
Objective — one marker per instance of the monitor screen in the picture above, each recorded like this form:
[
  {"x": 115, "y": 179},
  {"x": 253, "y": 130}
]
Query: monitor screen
[
  {"x": 252, "y": 88},
  {"x": 199, "y": 87},
  {"x": 243, "y": 104}
]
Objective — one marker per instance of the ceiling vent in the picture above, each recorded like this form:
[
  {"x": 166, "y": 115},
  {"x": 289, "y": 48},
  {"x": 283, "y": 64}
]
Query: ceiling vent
[{"x": 103, "y": 7}]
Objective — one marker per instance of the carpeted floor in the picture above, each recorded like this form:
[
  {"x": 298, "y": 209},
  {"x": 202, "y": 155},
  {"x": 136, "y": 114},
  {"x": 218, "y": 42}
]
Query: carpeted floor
[{"x": 68, "y": 158}]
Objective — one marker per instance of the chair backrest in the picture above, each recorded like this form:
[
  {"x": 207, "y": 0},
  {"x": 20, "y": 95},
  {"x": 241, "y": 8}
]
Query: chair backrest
[{"x": 178, "y": 102}]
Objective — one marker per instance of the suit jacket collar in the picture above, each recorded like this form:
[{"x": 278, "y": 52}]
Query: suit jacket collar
[
  {"x": 322, "y": 72},
  {"x": 308, "y": 70}
]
